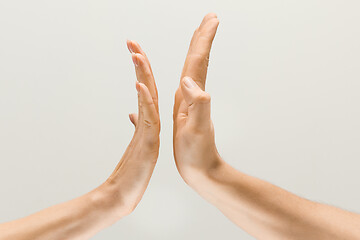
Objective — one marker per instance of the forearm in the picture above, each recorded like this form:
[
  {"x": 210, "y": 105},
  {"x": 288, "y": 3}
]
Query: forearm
[
  {"x": 269, "y": 212},
  {"x": 79, "y": 218},
  {"x": 84, "y": 216}
]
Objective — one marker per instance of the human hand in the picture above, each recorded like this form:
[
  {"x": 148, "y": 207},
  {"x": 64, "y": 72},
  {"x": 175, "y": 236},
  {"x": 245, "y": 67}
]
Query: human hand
[
  {"x": 194, "y": 144},
  {"x": 84, "y": 216},
  {"x": 127, "y": 184}
]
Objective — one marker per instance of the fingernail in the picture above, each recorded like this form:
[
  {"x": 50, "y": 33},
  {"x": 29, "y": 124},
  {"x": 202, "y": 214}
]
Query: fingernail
[
  {"x": 130, "y": 46},
  {"x": 135, "y": 60},
  {"x": 189, "y": 83}
]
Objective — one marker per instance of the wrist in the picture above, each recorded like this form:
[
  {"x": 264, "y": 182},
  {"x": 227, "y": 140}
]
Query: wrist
[
  {"x": 195, "y": 176},
  {"x": 108, "y": 200}
]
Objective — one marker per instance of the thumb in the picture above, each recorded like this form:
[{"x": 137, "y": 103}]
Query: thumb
[
  {"x": 133, "y": 118},
  {"x": 198, "y": 102}
]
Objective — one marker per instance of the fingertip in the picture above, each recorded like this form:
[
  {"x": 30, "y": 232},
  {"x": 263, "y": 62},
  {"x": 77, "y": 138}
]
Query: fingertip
[
  {"x": 212, "y": 23},
  {"x": 216, "y": 20},
  {"x": 136, "y": 48},
  {"x": 138, "y": 59},
  {"x": 188, "y": 82},
  {"x": 142, "y": 87},
  {"x": 134, "y": 59},
  {"x": 210, "y": 15},
  {"x": 137, "y": 45},
  {"x": 133, "y": 118},
  {"x": 137, "y": 86},
  {"x": 145, "y": 94},
  {"x": 129, "y": 45},
  {"x": 182, "y": 82}
]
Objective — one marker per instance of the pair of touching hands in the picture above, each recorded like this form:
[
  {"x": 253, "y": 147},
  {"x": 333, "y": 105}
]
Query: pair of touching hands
[
  {"x": 263, "y": 210},
  {"x": 118, "y": 196},
  {"x": 194, "y": 146}
]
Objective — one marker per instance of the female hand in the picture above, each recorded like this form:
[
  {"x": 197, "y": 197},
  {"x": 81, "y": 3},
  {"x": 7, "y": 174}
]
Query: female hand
[
  {"x": 260, "y": 208},
  {"x": 130, "y": 178},
  {"x": 194, "y": 144},
  {"x": 86, "y": 215}
]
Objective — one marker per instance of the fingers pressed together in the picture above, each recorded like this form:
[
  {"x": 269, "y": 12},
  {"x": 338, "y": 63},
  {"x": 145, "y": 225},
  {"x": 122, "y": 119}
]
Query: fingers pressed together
[
  {"x": 191, "y": 94},
  {"x": 146, "y": 87}
]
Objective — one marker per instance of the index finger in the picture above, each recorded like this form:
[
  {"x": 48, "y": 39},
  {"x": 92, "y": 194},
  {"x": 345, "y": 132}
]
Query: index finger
[{"x": 143, "y": 71}]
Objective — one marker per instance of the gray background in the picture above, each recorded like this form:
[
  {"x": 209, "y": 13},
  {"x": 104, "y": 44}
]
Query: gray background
[{"x": 284, "y": 79}]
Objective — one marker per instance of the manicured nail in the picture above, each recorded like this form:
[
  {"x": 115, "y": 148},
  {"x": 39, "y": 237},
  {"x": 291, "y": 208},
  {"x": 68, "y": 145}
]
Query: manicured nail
[
  {"x": 189, "y": 83},
  {"x": 135, "y": 60}
]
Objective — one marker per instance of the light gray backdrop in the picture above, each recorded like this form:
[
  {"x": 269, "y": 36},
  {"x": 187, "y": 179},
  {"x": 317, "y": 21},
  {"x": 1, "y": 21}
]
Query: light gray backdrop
[{"x": 284, "y": 79}]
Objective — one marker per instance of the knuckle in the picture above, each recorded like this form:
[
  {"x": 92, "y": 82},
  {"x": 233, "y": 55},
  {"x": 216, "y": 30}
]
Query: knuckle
[
  {"x": 149, "y": 102},
  {"x": 148, "y": 74},
  {"x": 147, "y": 124},
  {"x": 200, "y": 59},
  {"x": 151, "y": 123}
]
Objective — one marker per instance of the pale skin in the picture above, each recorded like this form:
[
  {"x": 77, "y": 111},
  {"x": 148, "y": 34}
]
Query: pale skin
[
  {"x": 263, "y": 210},
  {"x": 260, "y": 208},
  {"x": 118, "y": 196}
]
